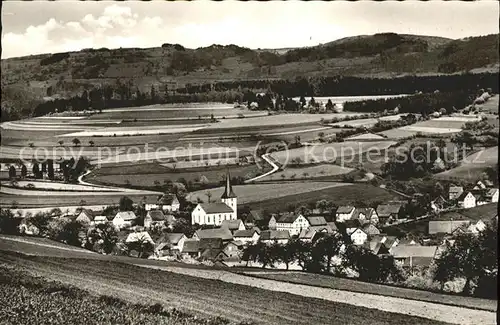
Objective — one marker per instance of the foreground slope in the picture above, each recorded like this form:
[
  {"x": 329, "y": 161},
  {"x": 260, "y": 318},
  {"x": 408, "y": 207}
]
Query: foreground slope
[{"x": 210, "y": 292}]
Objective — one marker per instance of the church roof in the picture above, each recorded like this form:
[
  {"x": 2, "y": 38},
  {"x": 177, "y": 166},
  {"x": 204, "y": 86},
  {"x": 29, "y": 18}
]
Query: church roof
[
  {"x": 228, "y": 190},
  {"x": 216, "y": 207}
]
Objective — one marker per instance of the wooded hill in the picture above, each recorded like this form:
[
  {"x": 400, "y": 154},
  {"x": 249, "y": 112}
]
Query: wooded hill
[{"x": 28, "y": 79}]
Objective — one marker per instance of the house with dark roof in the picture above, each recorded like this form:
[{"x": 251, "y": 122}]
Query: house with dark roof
[
  {"x": 370, "y": 229},
  {"x": 233, "y": 225},
  {"x": 439, "y": 203},
  {"x": 223, "y": 233},
  {"x": 215, "y": 213},
  {"x": 154, "y": 218},
  {"x": 454, "y": 192},
  {"x": 344, "y": 213},
  {"x": 389, "y": 212},
  {"x": 491, "y": 195},
  {"x": 358, "y": 236},
  {"x": 291, "y": 222},
  {"x": 412, "y": 255},
  {"x": 169, "y": 243},
  {"x": 366, "y": 214},
  {"x": 86, "y": 216},
  {"x": 253, "y": 218},
  {"x": 376, "y": 245},
  {"x": 167, "y": 203},
  {"x": 446, "y": 226},
  {"x": 274, "y": 236},
  {"x": 316, "y": 221},
  {"x": 314, "y": 232},
  {"x": 191, "y": 248},
  {"x": 250, "y": 236}
]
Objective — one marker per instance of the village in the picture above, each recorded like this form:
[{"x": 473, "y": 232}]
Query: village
[{"x": 218, "y": 233}]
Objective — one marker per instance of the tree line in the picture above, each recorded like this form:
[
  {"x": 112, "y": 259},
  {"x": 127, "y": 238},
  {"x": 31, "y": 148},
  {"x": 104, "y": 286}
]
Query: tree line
[{"x": 453, "y": 88}]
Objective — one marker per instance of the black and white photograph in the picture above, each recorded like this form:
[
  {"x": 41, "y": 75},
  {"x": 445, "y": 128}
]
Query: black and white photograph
[{"x": 249, "y": 162}]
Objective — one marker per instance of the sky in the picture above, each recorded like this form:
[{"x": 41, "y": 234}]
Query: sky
[{"x": 35, "y": 27}]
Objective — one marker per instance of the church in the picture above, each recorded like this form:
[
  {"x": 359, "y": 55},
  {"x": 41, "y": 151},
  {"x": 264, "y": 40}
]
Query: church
[{"x": 216, "y": 212}]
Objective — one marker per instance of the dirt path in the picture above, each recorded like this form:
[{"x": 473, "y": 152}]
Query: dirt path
[{"x": 438, "y": 312}]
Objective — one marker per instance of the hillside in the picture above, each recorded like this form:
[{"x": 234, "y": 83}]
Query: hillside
[{"x": 172, "y": 66}]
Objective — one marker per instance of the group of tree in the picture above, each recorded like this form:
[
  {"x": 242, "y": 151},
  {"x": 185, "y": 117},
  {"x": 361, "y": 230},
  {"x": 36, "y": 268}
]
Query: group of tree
[
  {"x": 474, "y": 258},
  {"x": 72, "y": 169},
  {"x": 327, "y": 254},
  {"x": 278, "y": 94},
  {"x": 415, "y": 161}
]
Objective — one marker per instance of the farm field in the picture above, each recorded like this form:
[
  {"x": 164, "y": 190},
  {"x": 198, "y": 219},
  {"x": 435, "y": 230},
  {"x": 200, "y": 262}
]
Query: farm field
[
  {"x": 397, "y": 133},
  {"x": 340, "y": 195},
  {"x": 142, "y": 177},
  {"x": 20, "y": 290},
  {"x": 330, "y": 151},
  {"x": 365, "y": 137},
  {"x": 63, "y": 186},
  {"x": 59, "y": 199},
  {"x": 442, "y": 125},
  {"x": 481, "y": 212},
  {"x": 326, "y": 281},
  {"x": 260, "y": 192},
  {"x": 367, "y": 122},
  {"x": 473, "y": 165},
  {"x": 280, "y": 119},
  {"x": 200, "y": 296},
  {"x": 297, "y": 173}
]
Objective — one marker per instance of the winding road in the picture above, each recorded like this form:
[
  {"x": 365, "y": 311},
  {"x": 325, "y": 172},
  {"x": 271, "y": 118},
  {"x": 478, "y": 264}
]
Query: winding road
[{"x": 267, "y": 158}]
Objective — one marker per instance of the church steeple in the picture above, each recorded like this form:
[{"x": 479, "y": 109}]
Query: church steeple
[{"x": 228, "y": 191}]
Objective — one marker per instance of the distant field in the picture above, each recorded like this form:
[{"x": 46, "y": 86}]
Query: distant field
[
  {"x": 260, "y": 192},
  {"x": 144, "y": 177},
  {"x": 482, "y": 212},
  {"x": 366, "y": 136},
  {"x": 280, "y": 119},
  {"x": 62, "y": 186},
  {"x": 172, "y": 113},
  {"x": 33, "y": 201},
  {"x": 329, "y": 152},
  {"x": 326, "y": 281},
  {"x": 341, "y": 195},
  {"x": 291, "y": 173},
  {"x": 472, "y": 167},
  {"x": 398, "y": 133}
]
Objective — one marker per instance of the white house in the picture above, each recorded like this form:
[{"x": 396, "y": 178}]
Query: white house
[
  {"x": 170, "y": 242},
  {"x": 167, "y": 202},
  {"x": 475, "y": 228},
  {"x": 86, "y": 217},
  {"x": 124, "y": 219},
  {"x": 479, "y": 186},
  {"x": 344, "y": 213},
  {"x": 358, "y": 236},
  {"x": 250, "y": 236},
  {"x": 492, "y": 195},
  {"x": 215, "y": 213},
  {"x": 466, "y": 200},
  {"x": 291, "y": 222},
  {"x": 142, "y": 236},
  {"x": 98, "y": 220}
]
